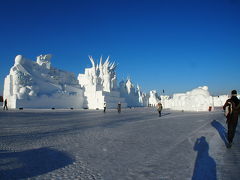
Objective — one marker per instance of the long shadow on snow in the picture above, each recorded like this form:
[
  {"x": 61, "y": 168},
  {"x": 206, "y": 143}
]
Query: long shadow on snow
[
  {"x": 30, "y": 163},
  {"x": 205, "y": 166},
  {"x": 221, "y": 130}
]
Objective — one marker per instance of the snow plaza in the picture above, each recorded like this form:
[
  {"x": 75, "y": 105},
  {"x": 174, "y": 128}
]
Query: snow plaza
[{"x": 135, "y": 144}]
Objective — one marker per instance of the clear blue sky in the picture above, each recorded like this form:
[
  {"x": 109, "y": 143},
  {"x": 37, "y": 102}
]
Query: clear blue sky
[{"x": 161, "y": 44}]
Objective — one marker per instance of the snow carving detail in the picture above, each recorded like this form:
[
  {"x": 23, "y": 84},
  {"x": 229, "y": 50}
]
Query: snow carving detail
[
  {"x": 44, "y": 60},
  {"x": 102, "y": 76}
]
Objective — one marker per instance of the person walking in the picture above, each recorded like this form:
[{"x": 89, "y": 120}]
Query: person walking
[
  {"x": 104, "y": 107},
  {"x": 159, "y": 108},
  {"x": 232, "y": 109},
  {"x": 119, "y": 107},
  {"x": 5, "y": 105}
]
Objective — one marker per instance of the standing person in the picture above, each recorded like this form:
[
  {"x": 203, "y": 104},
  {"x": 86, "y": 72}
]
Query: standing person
[
  {"x": 159, "y": 108},
  {"x": 5, "y": 105},
  {"x": 104, "y": 107},
  {"x": 232, "y": 107},
  {"x": 119, "y": 107}
]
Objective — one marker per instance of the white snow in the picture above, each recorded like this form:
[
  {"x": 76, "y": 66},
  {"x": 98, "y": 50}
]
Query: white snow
[{"x": 136, "y": 144}]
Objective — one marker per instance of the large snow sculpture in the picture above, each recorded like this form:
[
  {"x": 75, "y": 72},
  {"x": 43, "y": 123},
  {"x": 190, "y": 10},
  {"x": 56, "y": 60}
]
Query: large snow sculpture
[
  {"x": 100, "y": 85},
  {"x": 198, "y": 99},
  {"x": 38, "y": 85},
  {"x": 134, "y": 97}
]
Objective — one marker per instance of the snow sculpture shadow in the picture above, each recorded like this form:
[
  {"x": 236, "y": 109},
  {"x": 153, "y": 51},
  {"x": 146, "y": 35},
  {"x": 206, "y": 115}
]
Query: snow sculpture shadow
[
  {"x": 30, "y": 163},
  {"x": 205, "y": 166},
  {"x": 221, "y": 130}
]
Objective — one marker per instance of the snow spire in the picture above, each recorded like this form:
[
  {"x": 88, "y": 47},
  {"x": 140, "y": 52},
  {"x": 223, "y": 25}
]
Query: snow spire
[{"x": 92, "y": 60}]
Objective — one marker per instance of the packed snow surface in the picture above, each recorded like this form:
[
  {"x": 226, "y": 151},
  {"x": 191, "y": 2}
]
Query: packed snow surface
[{"x": 135, "y": 144}]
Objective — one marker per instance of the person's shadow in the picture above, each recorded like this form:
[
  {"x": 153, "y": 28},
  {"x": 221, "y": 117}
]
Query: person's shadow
[
  {"x": 221, "y": 130},
  {"x": 205, "y": 166},
  {"x": 30, "y": 163}
]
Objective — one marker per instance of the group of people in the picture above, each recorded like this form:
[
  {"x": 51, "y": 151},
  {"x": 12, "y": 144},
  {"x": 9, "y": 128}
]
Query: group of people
[{"x": 159, "y": 108}]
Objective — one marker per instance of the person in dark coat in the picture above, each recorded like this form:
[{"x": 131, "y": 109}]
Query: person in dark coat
[
  {"x": 5, "y": 105},
  {"x": 232, "y": 106},
  {"x": 119, "y": 107},
  {"x": 104, "y": 107}
]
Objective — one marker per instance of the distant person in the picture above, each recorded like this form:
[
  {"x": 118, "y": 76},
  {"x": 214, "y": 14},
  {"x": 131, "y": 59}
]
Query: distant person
[
  {"x": 232, "y": 109},
  {"x": 5, "y": 105},
  {"x": 104, "y": 107},
  {"x": 119, "y": 107},
  {"x": 159, "y": 108}
]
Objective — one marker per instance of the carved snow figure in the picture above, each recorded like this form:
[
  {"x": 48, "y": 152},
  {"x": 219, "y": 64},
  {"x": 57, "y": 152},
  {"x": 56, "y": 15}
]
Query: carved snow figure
[
  {"x": 38, "y": 85},
  {"x": 103, "y": 86},
  {"x": 44, "y": 60}
]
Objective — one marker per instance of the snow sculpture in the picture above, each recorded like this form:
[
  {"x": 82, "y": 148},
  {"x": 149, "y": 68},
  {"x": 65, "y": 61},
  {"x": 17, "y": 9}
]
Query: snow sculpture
[
  {"x": 38, "y": 85},
  {"x": 134, "y": 97},
  {"x": 198, "y": 99},
  {"x": 153, "y": 98},
  {"x": 100, "y": 85},
  {"x": 100, "y": 77}
]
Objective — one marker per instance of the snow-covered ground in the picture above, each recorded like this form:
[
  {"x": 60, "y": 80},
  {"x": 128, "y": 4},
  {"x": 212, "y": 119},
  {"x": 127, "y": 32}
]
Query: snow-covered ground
[{"x": 135, "y": 144}]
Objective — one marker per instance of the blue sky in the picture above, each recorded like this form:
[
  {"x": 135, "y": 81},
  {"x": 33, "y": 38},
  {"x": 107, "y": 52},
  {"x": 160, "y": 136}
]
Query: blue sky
[{"x": 160, "y": 44}]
